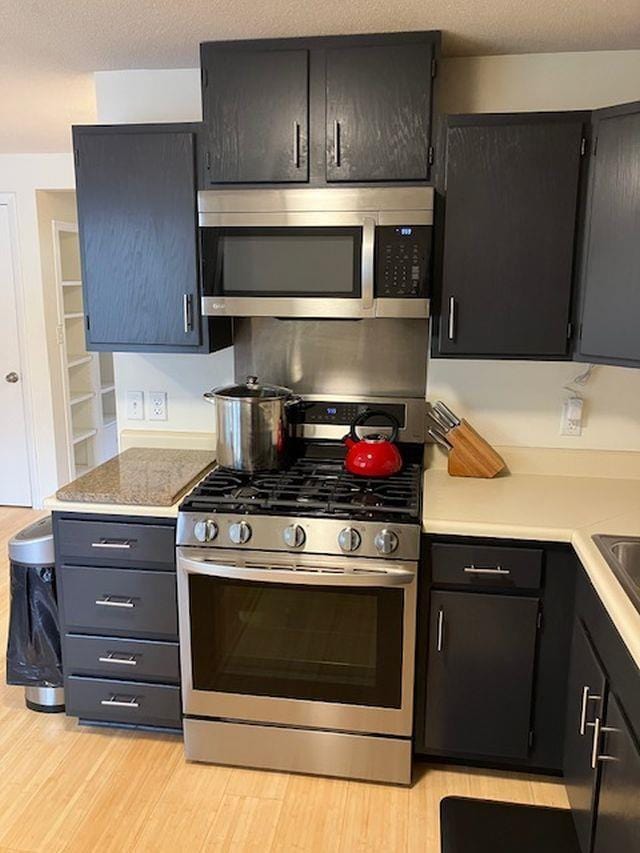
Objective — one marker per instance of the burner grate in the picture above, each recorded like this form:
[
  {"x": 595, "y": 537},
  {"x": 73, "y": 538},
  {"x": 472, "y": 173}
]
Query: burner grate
[{"x": 313, "y": 487}]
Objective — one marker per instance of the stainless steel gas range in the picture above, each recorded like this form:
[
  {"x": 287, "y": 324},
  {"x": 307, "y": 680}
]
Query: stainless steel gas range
[{"x": 297, "y": 603}]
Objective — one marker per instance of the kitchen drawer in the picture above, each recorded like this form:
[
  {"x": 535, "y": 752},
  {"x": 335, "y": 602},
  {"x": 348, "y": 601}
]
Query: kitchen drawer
[
  {"x": 116, "y": 543},
  {"x": 486, "y": 566},
  {"x": 118, "y": 602},
  {"x": 116, "y": 657},
  {"x": 107, "y": 700}
]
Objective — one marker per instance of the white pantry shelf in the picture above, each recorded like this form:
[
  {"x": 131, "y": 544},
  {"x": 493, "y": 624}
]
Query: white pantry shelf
[
  {"x": 81, "y": 398},
  {"x": 83, "y": 435}
]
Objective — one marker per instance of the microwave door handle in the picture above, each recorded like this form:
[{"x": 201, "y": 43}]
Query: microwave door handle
[
  {"x": 385, "y": 578},
  {"x": 367, "y": 265}
]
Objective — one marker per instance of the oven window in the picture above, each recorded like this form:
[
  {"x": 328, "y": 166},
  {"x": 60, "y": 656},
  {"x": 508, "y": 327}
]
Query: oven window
[
  {"x": 297, "y": 262},
  {"x": 328, "y": 644}
]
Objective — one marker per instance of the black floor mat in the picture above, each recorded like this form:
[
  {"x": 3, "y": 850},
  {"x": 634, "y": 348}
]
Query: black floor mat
[{"x": 484, "y": 826}]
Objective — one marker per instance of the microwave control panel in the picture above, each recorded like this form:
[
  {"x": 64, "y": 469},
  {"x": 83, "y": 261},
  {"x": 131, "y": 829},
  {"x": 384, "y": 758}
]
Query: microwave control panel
[{"x": 403, "y": 254}]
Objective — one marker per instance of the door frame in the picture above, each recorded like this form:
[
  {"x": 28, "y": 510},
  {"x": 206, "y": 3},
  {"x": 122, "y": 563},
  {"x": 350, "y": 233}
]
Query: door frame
[{"x": 8, "y": 200}]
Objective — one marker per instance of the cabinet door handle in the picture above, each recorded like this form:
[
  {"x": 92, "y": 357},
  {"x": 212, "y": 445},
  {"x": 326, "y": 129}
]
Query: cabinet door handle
[
  {"x": 452, "y": 318},
  {"x": 598, "y": 730},
  {"x": 186, "y": 313},
  {"x": 296, "y": 144},
  {"x": 111, "y": 658},
  {"x": 108, "y": 601},
  {"x": 440, "y": 631},
  {"x": 587, "y": 697},
  {"x": 123, "y": 544},
  {"x": 498, "y": 570},
  {"x": 336, "y": 142},
  {"x": 121, "y": 703}
]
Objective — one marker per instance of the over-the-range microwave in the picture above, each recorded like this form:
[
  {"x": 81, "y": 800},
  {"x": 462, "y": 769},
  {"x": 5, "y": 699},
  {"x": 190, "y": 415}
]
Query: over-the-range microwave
[{"x": 330, "y": 252}]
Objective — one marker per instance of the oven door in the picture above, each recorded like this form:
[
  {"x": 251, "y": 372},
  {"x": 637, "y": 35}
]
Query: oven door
[
  {"x": 318, "y": 642},
  {"x": 292, "y": 265}
]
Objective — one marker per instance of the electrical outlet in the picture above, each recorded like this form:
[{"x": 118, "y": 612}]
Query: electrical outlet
[
  {"x": 157, "y": 405},
  {"x": 135, "y": 406},
  {"x": 571, "y": 421}
]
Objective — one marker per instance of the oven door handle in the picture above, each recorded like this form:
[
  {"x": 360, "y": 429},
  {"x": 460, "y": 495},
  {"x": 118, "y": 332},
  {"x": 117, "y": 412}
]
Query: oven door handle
[{"x": 391, "y": 576}]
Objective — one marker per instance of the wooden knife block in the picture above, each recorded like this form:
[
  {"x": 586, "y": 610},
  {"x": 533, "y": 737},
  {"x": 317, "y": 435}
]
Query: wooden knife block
[{"x": 471, "y": 455}]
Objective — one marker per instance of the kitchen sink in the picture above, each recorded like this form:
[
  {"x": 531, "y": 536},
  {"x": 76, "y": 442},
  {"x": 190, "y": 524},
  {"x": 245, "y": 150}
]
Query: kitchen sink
[{"x": 623, "y": 556}]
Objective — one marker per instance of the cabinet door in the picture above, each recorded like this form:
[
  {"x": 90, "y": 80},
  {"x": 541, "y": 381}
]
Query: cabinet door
[
  {"x": 511, "y": 203},
  {"x": 256, "y": 115},
  {"x": 618, "y": 815},
  {"x": 585, "y": 700},
  {"x": 137, "y": 219},
  {"x": 611, "y": 295},
  {"x": 480, "y": 670},
  {"x": 378, "y": 112}
]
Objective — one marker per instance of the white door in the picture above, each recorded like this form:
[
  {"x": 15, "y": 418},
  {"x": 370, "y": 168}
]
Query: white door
[{"x": 15, "y": 487}]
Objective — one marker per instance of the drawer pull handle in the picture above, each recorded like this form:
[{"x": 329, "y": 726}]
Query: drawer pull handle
[
  {"x": 120, "y": 544},
  {"x": 498, "y": 570},
  {"x": 108, "y": 601},
  {"x": 121, "y": 703},
  {"x": 111, "y": 658}
]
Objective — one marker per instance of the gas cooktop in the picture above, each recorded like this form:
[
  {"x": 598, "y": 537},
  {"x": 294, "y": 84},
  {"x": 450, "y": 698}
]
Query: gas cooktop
[{"x": 310, "y": 487}]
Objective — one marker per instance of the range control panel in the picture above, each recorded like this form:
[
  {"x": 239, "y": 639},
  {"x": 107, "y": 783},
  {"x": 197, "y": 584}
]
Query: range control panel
[
  {"x": 327, "y": 412},
  {"x": 403, "y": 255}
]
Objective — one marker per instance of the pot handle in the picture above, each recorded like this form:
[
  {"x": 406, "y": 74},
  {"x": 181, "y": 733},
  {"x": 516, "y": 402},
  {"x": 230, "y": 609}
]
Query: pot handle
[
  {"x": 363, "y": 417},
  {"x": 209, "y": 396}
]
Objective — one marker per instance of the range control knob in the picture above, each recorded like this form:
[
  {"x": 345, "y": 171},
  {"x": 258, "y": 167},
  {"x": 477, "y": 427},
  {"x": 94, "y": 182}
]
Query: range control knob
[
  {"x": 349, "y": 539},
  {"x": 294, "y": 536},
  {"x": 240, "y": 533},
  {"x": 205, "y": 530},
  {"x": 386, "y": 542}
]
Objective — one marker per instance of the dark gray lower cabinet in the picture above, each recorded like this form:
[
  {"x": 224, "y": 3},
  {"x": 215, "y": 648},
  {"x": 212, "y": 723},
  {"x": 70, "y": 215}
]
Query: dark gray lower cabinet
[
  {"x": 482, "y": 650},
  {"x": 119, "y": 621},
  {"x": 602, "y": 747},
  {"x": 618, "y": 816},
  {"x": 493, "y": 651},
  {"x": 585, "y": 701}
]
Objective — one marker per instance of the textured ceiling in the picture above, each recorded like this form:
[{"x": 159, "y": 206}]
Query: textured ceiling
[{"x": 47, "y": 49}]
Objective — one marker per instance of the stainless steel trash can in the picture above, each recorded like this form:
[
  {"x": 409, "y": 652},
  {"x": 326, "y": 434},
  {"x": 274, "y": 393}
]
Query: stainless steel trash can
[{"x": 33, "y": 650}]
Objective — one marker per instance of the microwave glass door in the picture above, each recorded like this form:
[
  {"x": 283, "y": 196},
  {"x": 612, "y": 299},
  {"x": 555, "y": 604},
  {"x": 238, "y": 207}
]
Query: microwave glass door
[
  {"x": 320, "y": 643},
  {"x": 294, "y": 262}
]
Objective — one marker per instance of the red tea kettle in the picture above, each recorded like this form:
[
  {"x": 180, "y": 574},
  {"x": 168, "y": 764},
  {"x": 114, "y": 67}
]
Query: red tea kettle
[{"x": 373, "y": 455}]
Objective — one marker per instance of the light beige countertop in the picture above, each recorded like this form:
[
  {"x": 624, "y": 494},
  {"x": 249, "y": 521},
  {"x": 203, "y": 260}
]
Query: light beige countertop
[
  {"x": 139, "y": 481},
  {"x": 532, "y": 503}
]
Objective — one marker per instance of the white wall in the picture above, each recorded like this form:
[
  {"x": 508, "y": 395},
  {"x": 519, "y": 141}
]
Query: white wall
[
  {"x": 22, "y": 175},
  {"x": 515, "y": 403}
]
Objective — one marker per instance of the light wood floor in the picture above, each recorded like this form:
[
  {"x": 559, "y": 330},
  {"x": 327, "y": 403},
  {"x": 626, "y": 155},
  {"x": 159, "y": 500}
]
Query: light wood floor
[{"x": 65, "y": 787}]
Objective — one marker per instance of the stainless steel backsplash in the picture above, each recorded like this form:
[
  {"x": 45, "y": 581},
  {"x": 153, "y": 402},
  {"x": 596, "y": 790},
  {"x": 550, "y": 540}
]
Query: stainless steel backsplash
[{"x": 365, "y": 357}]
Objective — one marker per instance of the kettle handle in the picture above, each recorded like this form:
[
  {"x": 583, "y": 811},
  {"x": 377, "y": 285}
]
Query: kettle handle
[{"x": 363, "y": 417}]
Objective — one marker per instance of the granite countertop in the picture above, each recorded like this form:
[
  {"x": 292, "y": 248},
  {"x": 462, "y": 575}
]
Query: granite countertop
[
  {"x": 546, "y": 506},
  {"x": 140, "y": 476}
]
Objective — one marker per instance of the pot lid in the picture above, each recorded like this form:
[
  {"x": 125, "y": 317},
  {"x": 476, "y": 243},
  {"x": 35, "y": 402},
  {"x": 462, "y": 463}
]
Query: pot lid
[{"x": 253, "y": 390}]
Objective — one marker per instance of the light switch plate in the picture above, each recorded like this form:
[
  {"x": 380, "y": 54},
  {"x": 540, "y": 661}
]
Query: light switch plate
[
  {"x": 135, "y": 406},
  {"x": 157, "y": 405}
]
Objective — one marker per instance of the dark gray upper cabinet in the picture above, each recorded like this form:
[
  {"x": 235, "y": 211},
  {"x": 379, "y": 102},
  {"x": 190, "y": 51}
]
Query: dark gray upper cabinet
[
  {"x": 585, "y": 702},
  {"x": 618, "y": 818},
  {"x": 611, "y": 272},
  {"x": 255, "y": 106},
  {"x": 480, "y": 669},
  {"x": 378, "y": 112},
  {"x": 512, "y": 190},
  {"x": 136, "y": 197}
]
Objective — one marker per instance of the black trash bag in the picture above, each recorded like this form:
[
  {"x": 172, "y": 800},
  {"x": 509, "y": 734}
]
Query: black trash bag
[{"x": 33, "y": 650}]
